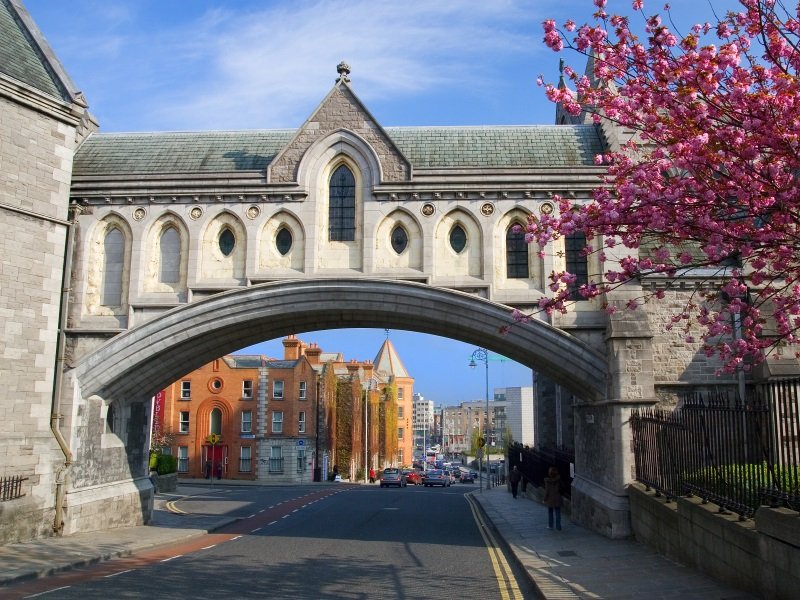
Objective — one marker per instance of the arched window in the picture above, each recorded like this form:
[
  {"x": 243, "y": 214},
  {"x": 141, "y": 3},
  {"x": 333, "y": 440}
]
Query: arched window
[
  {"x": 516, "y": 253},
  {"x": 574, "y": 246},
  {"x": 226, "y": 242},
  {"x": 283, "y": 241},
  {"x": 114, "y": 249},
  {"x": 458, "y": 239},
  {"x": 170, "y": 247},
  {"x": 342, "y": 206},
  {"x": 399, "y": 239},
  {"x": 215, "y": 422}
]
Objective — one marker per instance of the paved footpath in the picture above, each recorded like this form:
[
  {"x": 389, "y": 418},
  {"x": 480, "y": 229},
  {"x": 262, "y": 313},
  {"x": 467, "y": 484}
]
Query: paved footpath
[{"x": 572, "y": 563}]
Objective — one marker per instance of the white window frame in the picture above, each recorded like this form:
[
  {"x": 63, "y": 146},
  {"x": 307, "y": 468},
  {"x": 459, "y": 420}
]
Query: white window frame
[
  {"x": 301, "y": 422},
  {"x": 302, "y": 391},
  {"x": 247, "y": 424},
  {"x": 186, "y": 390},
  {"x": 277, "y": 389},
  {"x": 245, "y": 450},
  {"x": 247, "y": 389},
  {"x": 183, "y": 425},
  {"x": 277, "y": 421}
]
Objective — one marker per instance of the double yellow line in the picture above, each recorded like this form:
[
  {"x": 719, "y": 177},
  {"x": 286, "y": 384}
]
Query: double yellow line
[
  {"x": 170, "y": 506},
  {"x": 506, "y": 582}
]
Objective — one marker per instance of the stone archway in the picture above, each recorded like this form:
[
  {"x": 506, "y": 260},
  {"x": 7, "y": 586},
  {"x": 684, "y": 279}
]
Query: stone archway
[{"x": 143, "y": 360}]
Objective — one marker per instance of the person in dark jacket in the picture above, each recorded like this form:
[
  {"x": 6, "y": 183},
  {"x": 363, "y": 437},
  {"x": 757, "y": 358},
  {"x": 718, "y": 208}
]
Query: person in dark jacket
[
  {"x": 552, "y": 498},
  {"x": 514, "y": 478}
]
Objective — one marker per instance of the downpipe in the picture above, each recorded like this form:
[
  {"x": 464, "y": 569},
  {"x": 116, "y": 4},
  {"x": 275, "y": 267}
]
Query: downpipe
[{"x": 62, "y": 476}]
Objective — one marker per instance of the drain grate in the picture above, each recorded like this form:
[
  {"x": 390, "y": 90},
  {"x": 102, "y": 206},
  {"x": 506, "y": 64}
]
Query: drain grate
[{"x": 567, "y": 553}]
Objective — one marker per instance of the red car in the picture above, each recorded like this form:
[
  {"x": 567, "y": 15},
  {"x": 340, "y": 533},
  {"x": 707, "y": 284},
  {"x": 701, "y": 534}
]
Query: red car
[{"x": 413, "y": 477}]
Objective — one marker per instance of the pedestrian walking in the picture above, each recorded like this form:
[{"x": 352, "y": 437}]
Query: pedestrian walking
[
  {"x": 552, "y": 498},
  {"x": 372, "y": 475},
  {"x": 514, "y": 478}
]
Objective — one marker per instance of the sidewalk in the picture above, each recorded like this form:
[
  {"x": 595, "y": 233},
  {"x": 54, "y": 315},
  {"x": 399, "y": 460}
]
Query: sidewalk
[
  {"x": 578, "y": 563},
  {"x": 572, "y": 563}
]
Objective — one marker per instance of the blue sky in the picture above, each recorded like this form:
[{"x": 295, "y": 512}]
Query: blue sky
[{"x": 187, "y": 65}]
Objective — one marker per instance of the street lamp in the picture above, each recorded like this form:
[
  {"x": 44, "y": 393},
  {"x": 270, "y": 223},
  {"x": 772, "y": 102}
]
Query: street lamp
[{"x": 482, "y": 354}]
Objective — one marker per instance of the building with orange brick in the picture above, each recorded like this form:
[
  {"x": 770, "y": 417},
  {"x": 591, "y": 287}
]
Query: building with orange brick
[{"x": 258, "y": 418}]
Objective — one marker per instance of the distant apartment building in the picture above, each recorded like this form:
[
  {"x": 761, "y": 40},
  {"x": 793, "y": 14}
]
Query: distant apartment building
[
  {"x": 423, "y": 415},
  {"x": 511, "y": 410}
]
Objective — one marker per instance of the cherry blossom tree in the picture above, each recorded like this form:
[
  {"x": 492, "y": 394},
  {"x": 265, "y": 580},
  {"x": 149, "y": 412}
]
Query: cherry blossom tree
[{"x": 709, "y": 179}]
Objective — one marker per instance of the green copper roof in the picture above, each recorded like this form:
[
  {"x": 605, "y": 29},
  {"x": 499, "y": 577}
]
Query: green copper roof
[
  {"x": 21, "y": 56},
  {"x": 425, "y": 147}
]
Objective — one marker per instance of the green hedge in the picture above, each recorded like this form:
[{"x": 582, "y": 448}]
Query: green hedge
[{"x": 165, "y": 464}]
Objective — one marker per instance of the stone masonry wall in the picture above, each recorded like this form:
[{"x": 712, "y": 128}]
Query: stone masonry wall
[{"x": 36, "y": 158}]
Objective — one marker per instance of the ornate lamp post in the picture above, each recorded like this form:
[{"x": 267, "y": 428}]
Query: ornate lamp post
[{"x": 481, "y": 354}]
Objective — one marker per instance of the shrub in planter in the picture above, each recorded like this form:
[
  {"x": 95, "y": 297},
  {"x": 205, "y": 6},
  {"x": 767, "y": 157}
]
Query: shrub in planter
[{"x": 166, "y": 463}]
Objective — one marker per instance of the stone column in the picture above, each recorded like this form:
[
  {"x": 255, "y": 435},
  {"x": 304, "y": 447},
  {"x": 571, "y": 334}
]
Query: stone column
[{"x": 604, "y": 464}]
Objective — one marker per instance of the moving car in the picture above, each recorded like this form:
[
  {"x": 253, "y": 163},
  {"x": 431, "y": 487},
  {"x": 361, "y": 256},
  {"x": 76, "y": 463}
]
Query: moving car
[
  {"x": 391, "y": 476},
  {"x": 434, "y": 477},
  {"x": 413, "y": 476},
  {"x": 467, "y": 477}
]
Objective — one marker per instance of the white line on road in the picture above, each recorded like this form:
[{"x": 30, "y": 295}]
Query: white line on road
[
  {"x": 119, "y": 573},
  {"x": 256, "y": 529},
  {"x": 251, "y": 516},
  {"x": 172, "y": 558},
  {"x": 236, "y": 538},
  {"x": 48, "y": 591},
  {"x": 273, "y": 523},
  {"x": 208, "y": 547},
  {"x": 285, "y": 517}
]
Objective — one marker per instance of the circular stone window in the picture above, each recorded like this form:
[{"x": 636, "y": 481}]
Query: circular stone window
[{"x": 215, "y": 385}]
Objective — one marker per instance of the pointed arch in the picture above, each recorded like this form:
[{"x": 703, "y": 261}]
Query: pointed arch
[
  {"x": 224, "y": 249},
  {"x": 270, "y": 257},
  {"x": 108, "y": 264},
  {"x": 167, "y": 257},
  {"x": 388, "y": 258},
  {"x": 518, "y": 267},
  {"x": 457, "y": 255}
]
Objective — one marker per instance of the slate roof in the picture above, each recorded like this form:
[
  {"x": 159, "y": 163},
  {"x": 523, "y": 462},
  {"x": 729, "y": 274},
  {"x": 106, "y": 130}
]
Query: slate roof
[
  {"x": 426, "y": 147},
  {"x": 387, "y": 362},
  {"x": 21, "y": 53}
]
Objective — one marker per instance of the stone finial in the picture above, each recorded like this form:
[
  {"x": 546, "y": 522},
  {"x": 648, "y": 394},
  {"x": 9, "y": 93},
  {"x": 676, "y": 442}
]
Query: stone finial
[{"x": 344, "y": 70}]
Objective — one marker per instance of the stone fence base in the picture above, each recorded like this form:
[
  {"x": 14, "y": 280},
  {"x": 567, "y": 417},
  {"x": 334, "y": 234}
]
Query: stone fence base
[{"x": 761, "y": 556}]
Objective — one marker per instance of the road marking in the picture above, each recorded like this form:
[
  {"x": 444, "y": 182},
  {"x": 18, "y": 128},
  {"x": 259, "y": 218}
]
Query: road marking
[
  {"x": 208, "y": 547},
  {"x": 262, "y": 510},
  {"x": 170, "y": 506},
  {"x": 295, "y": 510},
  {"x": 285, "y": 517},
  {"x": 256, "y": 529},
  {"x": 509, "y": 589},
  {"x": 236, "y": 538},
  {"x": 119, "y": 573},
  {"x": 171, "y": 558},
  {"x": 251, "y": 516},
  {"x": 49, "y": 591},
  {"x": 273, "y": 523}
]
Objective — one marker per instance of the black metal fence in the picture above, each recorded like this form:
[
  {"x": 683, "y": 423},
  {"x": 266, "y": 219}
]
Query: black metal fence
[
  {"x": 11, "y": 487},
  {"x": 737, "y": 454},
  {"x": 535, "y": 462}
]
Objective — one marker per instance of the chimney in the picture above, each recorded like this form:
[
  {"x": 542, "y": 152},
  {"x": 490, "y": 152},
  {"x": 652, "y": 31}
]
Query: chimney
[
  {"x": 291, "y": 348},
  {"x": 312, "y": 353},
  {"x": 368, "y": 369}
]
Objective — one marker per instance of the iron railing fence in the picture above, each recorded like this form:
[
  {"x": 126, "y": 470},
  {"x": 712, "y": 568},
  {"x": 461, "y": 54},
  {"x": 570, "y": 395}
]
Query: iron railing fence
[
  {"x": 11, "y": 487},
  {"x": 736, "y": 454},
  {"x": 535, "y": 462}
]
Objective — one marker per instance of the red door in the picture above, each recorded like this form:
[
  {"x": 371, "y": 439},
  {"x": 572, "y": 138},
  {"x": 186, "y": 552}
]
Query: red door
[{"x": 215, "y": 461}]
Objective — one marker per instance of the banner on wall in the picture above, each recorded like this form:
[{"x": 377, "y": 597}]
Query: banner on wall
[{"x": 158, "y": 413}]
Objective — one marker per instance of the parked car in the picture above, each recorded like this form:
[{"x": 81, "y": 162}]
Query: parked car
[
  {"x": 434, "y": 477},
  {"x": 391, "y": 476},
  {"x": 467, "y": 477},
  {"x": 413, "y": 476}
]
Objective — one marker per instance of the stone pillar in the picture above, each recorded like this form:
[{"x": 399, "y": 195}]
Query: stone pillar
[{"x": 604, "y": 464}]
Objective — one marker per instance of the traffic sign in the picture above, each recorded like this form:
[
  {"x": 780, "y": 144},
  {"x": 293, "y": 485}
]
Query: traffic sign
[
  {"x": 481, "y": 442},
  {"x": 212, "y": 438}
]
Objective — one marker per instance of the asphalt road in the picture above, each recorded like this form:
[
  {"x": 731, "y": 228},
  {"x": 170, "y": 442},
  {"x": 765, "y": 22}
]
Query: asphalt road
[{"x": 306, "y": 542}]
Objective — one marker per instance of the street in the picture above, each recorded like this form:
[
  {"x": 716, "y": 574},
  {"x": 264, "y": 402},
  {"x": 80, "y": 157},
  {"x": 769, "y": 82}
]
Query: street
[{"x": 311, "y": 542}]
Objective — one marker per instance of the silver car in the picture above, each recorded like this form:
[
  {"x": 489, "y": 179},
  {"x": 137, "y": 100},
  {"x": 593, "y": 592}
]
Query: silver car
[{"x": 392, "y": 476}]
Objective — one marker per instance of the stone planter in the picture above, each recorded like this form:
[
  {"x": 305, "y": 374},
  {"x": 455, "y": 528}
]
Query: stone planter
[{"x": 164, "y": 483}]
